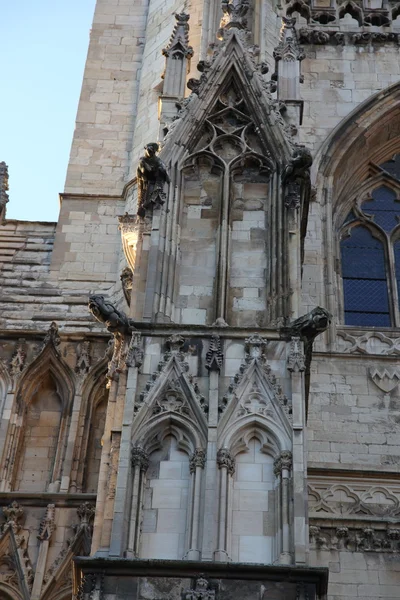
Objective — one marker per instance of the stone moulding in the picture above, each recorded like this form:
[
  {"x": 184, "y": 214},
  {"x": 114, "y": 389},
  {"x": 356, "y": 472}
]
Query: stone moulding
[
  {"x": 317, "y": 37},
  {"x": 364, "y": 537}
]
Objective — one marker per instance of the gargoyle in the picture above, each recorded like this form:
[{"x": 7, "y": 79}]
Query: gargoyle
[
  {"x": 151, "y": 176},
  {"x": 307, "y": 328},
  {"x": 115, "y": 320},
  {"x": 296, "y": 176}
]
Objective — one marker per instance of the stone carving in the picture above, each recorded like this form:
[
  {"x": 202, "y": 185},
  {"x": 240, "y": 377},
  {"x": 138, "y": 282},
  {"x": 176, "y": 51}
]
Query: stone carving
[
  {"x": 355, "y": 501},
  {"x": 234, "y": 16},
  {"x": 3, "y": 190},
  {"x": 178, "y": 46},
  {"x": 113, "y": 463},
  {"x": 198, "y": 459},
  {"x": 214, "y": 356},
  {"x": 175, "y": 343},
  {"x": 386, "y": 380},
  {"x": 172, "y": 400},
  {"x": 296, "y": 358},
  {"x": 364, "y": 538},
  {"x": 309, "y": 326},
  {"x": 296, "y": 176},
  {"x": 201, "y": 591},
  {"x": 127, "y": 281},
  {"x": 151, "y": 176},
  {"x": 134, "y": 357},
  {"x": 47, "y": 525},
  {"x": 115, "y": 320},
  {"x": 139, "y": 457},
  {"x": 127, "y": 223},
  {"x": 226, "y": 460},
  {"x": 13, "y": 514},
  {"x": 288, "y": 50},
  {"x": 83, "y": 361},
  {"x": 369, "y": 343},
  {"x": 86, "y": 513},
  {"x": 338, "y": 38},
  {"x": 17, "y": 362},
  {"x": 255, "y": 346},
  {"x": 286, "y": 460},
  {"x": 52, "y": 336},
  {"x": 255, "y": 403}
]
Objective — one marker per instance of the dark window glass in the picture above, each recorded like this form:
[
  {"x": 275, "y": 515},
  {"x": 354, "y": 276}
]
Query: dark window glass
[
  {"x": 364, "y": 279},
  {"x": 396, "y": 248},
  {"x": 392, "y": 166},
  {"x": 384, "y": 208}
]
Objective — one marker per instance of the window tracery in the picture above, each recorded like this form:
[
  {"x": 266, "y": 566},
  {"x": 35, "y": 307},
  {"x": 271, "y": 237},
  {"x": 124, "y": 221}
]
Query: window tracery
[{"x": 370, "y": 253}]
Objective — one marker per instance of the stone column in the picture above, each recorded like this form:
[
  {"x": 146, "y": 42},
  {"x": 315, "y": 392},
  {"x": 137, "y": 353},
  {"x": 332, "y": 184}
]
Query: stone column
[
  {"x": 121, "y": 520},
  {"x": 140, "y": 463},
  {"x": 284, "y": 465},
  {"x": 196, "y": 465},
  {"x": 226, "y": 465}
]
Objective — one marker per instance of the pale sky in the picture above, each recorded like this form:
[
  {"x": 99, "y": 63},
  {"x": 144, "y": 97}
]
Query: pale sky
[{"x": 43, "y": 47}]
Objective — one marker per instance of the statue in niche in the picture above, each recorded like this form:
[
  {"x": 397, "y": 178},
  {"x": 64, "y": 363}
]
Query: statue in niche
[
  {"x": 115, "y": 320},
  {"x": 296, "y": 176},
  {"x": 152, "y": 176}
]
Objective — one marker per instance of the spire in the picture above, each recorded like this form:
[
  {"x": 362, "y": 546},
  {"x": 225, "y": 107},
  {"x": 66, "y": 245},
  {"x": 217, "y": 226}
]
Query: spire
[
  {"x": 177, "y": 54},
  {"x": 3, "y": 190}
]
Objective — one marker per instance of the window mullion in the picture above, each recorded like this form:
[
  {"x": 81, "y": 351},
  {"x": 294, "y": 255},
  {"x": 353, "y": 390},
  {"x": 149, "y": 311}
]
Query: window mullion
[{"x": 392, "y": 284}]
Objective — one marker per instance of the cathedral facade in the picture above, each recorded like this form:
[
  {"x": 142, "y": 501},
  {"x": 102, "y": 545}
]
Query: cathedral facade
[{"x": 199, "y": 362}]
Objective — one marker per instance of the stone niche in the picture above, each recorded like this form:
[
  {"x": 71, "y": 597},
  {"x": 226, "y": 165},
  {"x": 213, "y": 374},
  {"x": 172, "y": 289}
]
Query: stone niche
[{"x": 112, "y": 579}]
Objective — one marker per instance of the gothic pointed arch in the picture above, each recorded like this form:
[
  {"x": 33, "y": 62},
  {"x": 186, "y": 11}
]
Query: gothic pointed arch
[
  {"x": 13, "y": 581},
  {"x": 354, "y": 168},
  {"x": 171, "y": 396},
  {"x": 92, "y": 417},
  {"x": 43, "y": 402},
  {"x": 256, "y": 398}
]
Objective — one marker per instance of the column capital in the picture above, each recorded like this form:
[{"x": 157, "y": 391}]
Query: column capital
[
  {"x": 197, "y": 459},
  {"x": 225, "y": 459},
  {"x": 139, "y": 457}
]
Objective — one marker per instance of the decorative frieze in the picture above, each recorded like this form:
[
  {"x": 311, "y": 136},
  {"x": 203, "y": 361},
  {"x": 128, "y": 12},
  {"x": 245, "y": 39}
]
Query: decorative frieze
[
  {"x": 363, "y": 538},
  {"x": 372, "y": 342},
  {"x": 338, "y": 38}
]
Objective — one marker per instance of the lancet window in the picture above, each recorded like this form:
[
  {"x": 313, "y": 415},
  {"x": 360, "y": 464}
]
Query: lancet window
[
  {"x": 370, "y": 253},
  {"x": 40, "y": 440}
]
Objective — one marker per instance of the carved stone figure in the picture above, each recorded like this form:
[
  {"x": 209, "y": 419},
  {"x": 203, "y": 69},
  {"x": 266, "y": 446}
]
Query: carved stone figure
[
  {"x": 296, "y": 176},
  {"x": 310, "y": 325},
  {"x": 126, "y": 280},
  {"x": 152, "y": 176},
  {"x": 116, "y": 321}
]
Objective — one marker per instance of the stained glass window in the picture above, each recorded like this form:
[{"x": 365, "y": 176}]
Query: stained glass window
[{"x": 364, "y": 279}]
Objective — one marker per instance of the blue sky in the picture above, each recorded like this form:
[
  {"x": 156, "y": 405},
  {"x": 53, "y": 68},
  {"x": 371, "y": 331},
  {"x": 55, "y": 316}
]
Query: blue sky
[{"x": 43, "y": 47}]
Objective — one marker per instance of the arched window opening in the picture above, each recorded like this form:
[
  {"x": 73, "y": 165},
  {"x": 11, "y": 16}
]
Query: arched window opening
[
  {"x": 253, "y": 526},
  {"x": 165, "y": 503},
  {"x": 365, "y": 287},
  {"x": 93, "y": 456},
  {"x": 370, "y": 254},
  {"x": 41, "y": 434}
]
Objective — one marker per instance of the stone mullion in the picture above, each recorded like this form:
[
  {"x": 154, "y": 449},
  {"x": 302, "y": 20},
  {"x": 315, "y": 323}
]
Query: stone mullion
[
  {"x": 393, "y": 291},
  {"x": 166, "y": 249},
  {"x": 222, "y": 273},
  {"x": 282, "y": 468}
]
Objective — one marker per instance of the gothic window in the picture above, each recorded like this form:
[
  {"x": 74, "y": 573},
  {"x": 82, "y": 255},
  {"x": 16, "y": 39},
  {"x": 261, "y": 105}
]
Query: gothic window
[
  {"x": 93, "y": 455},
  {"x": 165, "y": 502},
  {"x": 253, "y": 523},
  {"x": 370, "y": 255},
  {"x": 41, "y": 433}
]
